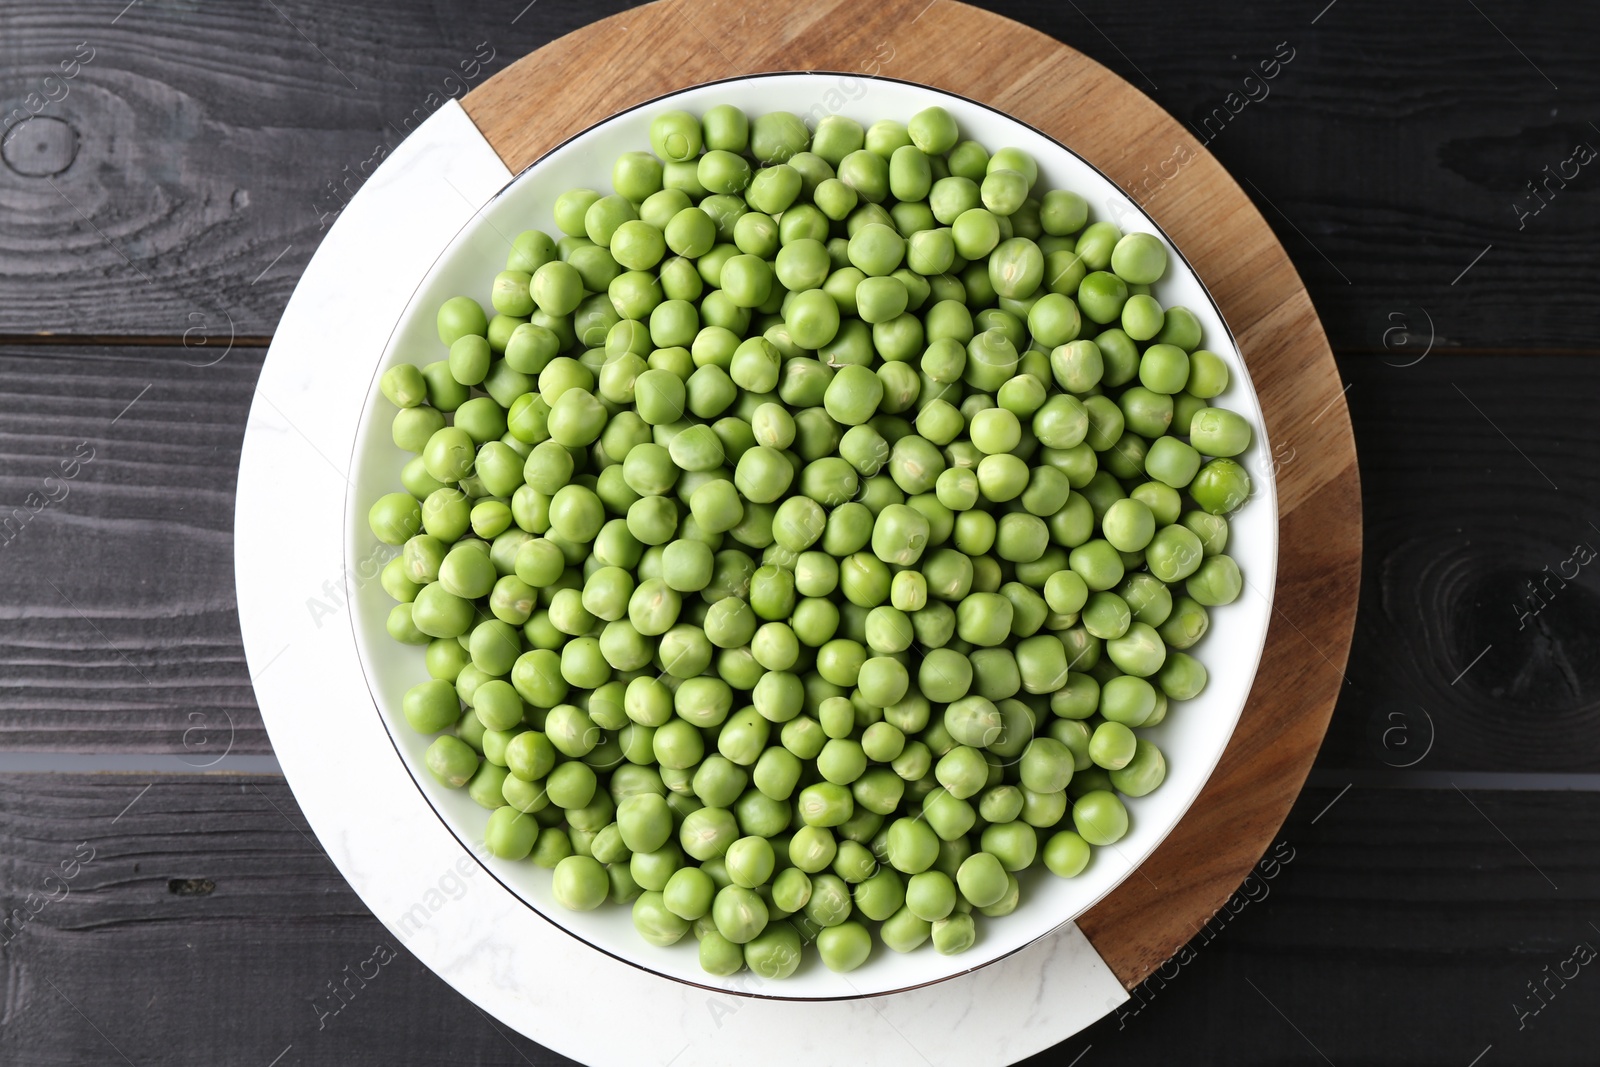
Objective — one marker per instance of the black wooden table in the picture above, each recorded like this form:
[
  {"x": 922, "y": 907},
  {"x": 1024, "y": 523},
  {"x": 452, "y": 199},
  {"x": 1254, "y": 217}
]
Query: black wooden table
[{"x": 169, "y": 169}]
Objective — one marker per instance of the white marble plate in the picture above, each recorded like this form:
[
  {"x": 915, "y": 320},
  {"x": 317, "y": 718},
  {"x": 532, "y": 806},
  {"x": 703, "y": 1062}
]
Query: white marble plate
[{"x": 434, "y": 221}]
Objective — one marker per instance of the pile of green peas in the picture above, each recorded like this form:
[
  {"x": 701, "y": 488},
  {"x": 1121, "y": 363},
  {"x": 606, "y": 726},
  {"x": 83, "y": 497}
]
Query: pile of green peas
[{"x": 802, "y": 541}]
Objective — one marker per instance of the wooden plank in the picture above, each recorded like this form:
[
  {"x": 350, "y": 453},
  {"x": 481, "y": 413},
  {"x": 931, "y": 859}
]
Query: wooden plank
[
  {"x": 210, "y": 147},
  {"x": 1403, "y": 929},
  {"x": 1461, "y": 460},
  {"x": 186, "y": 117},
  {"x": 118, "y": 627},
  {"x": 203, "y": 923},
  {"x": 205, "y": 926},
  {"x": 1444, "y": 494}
]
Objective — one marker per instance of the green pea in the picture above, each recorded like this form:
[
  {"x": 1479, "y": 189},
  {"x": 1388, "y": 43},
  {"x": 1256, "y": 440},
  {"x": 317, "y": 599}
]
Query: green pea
[
  {"x": 1220, "y": 487},
  {"x": 1140, "y": 651},
  {"x": 719, "y": 956},
  {"x": 867, "y": 173},
  {"x": 404, "y": 386},
  {"x": 883, "y": 681},
  {"x": 726, "y": 128},
  {"x": 688, "y": 893},
  {"x": 675, "y": 136},
  {"x": 1016, "y": 266},
  {"x": 750, "y": 861},
  {"x": 707, "y": 833},
  {"x": 487, "y": 786},
  {"x": 1217, "y": 581},
  {"x": 1078, "y": 698},
  {"x": 1172, "y": 462},
  {"x": 1111, "y": 746},
  {"x": 1096, "y": 562},
  {"x": 655, "y": 922},
  {"x": 1067, "y": 853},
  {"x": 536, "y": 676},
  {"x": 1066, "y": 592},
  {"x": 1021, "y": 538},
  {"x": 1180, "y": 328},
  {"x": 510, "y": 834},
  {"x": 1062, "y": 212},
  {"x": 1219, "y": 432},
  {"x": 719, "y": 782},
  {"x": 1208, "y": 374},
  {"x": 1003, "y": 191},
  {"x": 879, "y": 896},
  {"x": 444, "y": 392},
  {"x": 644, "y": 821},
  {"x": 1174, "y": 553},
  {"x": 580, "y": 883},
  {"x": 1143, "y": 773},
  {"x": 1014, "y": 844},
  {"x": 1100, "y": 817},
  {"x": 1143, "y": 412},
  {"x": 438, "y": 613},
  {"x": 740, "y": 914},
  {"x": 395, "y": 518},
  {"x": 954, "y": 934},
  {"x": 876, "y": 250},
  {"x": 984, "y": 619},
  {"x": 451, "y": 760},
  {"x": 844, "y": 947},
  {"x": 1101, "y": 297},
  {"x": 982, "y": 879},
  {"x": 1139, "y": 258},
  {"x": 1182, "y": 677},
  {"x": 459, "y": 316},
  {"x": 855, "y": 863},
  {"x": 1147, "y": 598}
]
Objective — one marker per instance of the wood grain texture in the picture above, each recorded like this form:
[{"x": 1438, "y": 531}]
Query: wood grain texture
[
  {"x": 214, "y": 146},
  {"x": 203, "y": 923},
  {"x": 1478, "y": 613},
  {"x": 544, "y": 98},
  {"x": 1403, "y": 929},
  {"x": 207, "y": 137},
  {"x": 207, "y": 925},
  {"x": 118, "y": 627}
]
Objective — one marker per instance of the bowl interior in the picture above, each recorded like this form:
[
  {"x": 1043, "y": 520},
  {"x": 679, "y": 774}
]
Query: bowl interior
[{"x": 1194, "y": 733}]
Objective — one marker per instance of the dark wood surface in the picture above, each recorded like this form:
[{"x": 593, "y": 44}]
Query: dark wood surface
[
  {"x": 206, "y": 925},
  {"x": 1394, "y": 144},
  {"x": 208, "y": 135}
]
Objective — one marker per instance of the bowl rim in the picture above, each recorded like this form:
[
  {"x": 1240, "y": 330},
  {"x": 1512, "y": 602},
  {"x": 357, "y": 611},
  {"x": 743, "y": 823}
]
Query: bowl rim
[{"x": 1261, "y": 487}]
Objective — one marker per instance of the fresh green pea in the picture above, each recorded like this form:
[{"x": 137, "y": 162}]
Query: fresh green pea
[
  {"x": 580, "y": 883},
  {"x": 1220, "y": 487},
  {"x": 1139, "y": 258},
  {"x": 1100, "y": 817},
  {"x": 1139, "y": 651},
  {"x": 982, "y": 879},
  {"x": 1219, "y": 432},
  {"x": 1215, "y": 582},
  {"x": 1208, "y": 374},
  {"x": 1182, "y": 677}
]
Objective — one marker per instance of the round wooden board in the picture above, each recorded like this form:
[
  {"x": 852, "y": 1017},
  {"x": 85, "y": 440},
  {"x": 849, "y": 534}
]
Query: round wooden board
[{"x": 574, "y": 82}]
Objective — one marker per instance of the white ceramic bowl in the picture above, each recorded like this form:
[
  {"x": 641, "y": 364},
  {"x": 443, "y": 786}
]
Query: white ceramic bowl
[{"x": 1194, "y": 733}]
